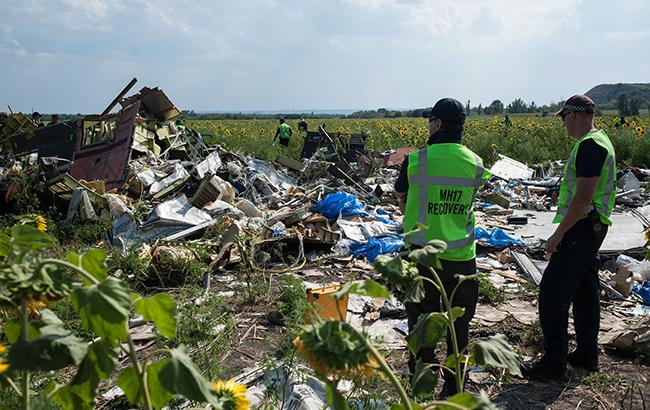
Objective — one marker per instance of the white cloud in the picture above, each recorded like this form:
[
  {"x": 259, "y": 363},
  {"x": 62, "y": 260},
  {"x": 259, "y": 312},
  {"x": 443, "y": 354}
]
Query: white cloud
[
  {"x": 254, "y": 54},
  {"x": 92, "y": 9}
]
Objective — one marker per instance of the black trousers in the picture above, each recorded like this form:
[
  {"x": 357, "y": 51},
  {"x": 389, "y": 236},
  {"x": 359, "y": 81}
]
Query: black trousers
[
  {"x": 284, "y": 142},
  {"x": 466, "y": 297},
  {"x": 572, "y": 278}
]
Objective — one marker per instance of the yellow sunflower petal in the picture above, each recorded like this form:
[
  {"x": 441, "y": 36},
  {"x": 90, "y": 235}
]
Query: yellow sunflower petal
[{"x": 236, "y": 393}]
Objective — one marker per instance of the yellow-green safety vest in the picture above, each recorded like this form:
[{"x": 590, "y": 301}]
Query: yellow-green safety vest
[
  {"x": 285, "y": 131},
  {"x": 443, "y": 182},
  {"x": 605, "y": 193}
]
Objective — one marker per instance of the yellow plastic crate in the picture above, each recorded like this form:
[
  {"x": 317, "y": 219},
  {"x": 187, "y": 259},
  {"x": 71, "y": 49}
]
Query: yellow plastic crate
[{"x": 326, "y": 304}]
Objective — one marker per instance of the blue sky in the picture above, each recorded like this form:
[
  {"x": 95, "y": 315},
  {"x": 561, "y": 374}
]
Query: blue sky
[{"x": 75, "y": 55}]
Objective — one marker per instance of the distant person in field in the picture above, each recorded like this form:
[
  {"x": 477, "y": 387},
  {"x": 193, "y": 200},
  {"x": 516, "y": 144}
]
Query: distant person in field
[
  {"x": 36, "y": 119},
  {"x": 621, "y": 122},
  {"x": 283, "y": 132},
  {"x": 302, "y": 125},
  {"x": 54, "y": 120},
  {"x": 570, "y": 280},
  {"x": 507, "y": 121}
]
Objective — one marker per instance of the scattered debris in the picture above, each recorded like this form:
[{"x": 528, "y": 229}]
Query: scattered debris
[{"x": 160, "y": 184}]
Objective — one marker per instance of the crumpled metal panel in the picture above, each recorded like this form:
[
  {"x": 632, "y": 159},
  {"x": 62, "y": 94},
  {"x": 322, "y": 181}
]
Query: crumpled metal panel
[{"x": 107, "y": 161}]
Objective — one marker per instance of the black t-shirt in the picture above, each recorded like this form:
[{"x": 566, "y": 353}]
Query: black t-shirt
[
  {"x": 441, "y": 137},
  {"x": 590, "y": 159}
]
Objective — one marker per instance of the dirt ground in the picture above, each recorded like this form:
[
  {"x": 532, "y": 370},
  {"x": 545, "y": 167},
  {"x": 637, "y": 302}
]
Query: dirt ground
[
  {"x": 255, "y": 338},
  {"x": 622, "y": 382}
]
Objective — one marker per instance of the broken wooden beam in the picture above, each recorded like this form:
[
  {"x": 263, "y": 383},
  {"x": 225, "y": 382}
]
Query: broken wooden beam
[
  {"x": 528, "y": 267},
  {"x": 119, "y": 96}
]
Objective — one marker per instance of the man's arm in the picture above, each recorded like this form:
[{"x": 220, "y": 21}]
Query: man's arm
[
  {"x": 402, "y": 185},
  {"x": 585, "y": 188},
  {"x": 401, "y": 200},
  {"x": 277, "y": 132}
]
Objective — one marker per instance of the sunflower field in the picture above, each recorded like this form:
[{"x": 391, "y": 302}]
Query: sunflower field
[{"x": 528, "y": 139}]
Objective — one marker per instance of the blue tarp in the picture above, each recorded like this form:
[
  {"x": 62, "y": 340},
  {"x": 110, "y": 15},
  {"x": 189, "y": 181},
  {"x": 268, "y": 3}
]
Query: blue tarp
[
  {"x": 643, "y": 291},
  {"x": 376, "y": 246},
  {"x": 340, "y": 203},
  {"x": 496, "y": 237}
]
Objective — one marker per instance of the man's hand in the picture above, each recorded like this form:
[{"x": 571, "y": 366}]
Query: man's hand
[
  {"x": 401, "y": 200},
  {"x": 553, "y": 242}
]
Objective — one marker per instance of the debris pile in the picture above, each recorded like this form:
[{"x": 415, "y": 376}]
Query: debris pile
[{"x": 333, "y": 211}]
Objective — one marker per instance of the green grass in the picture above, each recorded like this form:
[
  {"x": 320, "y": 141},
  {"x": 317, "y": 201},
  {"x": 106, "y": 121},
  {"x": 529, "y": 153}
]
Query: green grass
[
  {"x": 206, "y": 328},
  {"x": 488, "y": 293},
  {"x": 602, "y": 380}
]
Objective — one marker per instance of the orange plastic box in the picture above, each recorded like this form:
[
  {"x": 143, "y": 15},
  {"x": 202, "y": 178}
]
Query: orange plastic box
[{"x": 326, "y": 304}]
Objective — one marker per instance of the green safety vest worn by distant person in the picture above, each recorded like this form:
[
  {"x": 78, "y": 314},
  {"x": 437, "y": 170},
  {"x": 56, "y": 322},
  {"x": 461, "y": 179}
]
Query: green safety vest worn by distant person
[
  {"x": 605, "y": 193},
  {"x": 443, "y": 182},
  {"x": 285, "y": 131}
]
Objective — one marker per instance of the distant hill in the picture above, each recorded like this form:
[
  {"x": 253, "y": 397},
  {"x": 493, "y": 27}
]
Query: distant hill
[{"x": 608, "y": 93}]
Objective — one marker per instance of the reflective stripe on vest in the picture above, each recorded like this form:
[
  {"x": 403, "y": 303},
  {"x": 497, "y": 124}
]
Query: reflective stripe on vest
[
  {"x": 605, "y": 194},
  {"x": 420, "y": 185}
]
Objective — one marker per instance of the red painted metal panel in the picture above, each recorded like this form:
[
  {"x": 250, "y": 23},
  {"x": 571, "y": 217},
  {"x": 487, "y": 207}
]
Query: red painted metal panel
[{"x": 107, "y": 161}]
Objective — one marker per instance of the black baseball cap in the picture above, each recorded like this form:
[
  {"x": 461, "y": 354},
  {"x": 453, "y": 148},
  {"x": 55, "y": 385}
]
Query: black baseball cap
[
  {"x": 577, "y": 103},
  {"x": 448, "y": 110}
]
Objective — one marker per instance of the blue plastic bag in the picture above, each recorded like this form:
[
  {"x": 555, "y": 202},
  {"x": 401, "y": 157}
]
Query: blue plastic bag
[
  {"x": 340, "y": 203},
  {"x": 376, "y": 246},
  {"x": 643, "y": 291},
  {"x": 496, "y": 237}
]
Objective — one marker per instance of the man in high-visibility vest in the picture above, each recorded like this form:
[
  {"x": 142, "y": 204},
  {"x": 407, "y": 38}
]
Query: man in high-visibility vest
[
  {"x": 436, "y": 188},
  {"x": 585, "y": 204},
  {"x": 284, "y": 132}
]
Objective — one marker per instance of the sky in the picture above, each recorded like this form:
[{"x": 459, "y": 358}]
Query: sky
[{"x": 74, "y": 56}]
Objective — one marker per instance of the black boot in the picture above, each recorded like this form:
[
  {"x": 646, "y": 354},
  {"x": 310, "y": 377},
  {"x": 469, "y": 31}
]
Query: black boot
[
  {"x": 542, "y": 370},
  {"x": 575, "y": 359}
]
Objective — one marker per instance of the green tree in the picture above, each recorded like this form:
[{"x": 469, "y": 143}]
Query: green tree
[
  {"x": 634, "y": 106},
  {"x": 518, "y": 106},
  {"x": 495, "y": 107},
  {"x": 621, "y": 104}
]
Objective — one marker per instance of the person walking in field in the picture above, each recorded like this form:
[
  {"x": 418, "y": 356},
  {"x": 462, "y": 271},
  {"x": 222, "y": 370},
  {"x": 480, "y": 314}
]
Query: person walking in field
[
  {"x": 436, "y": 187},
  {"x": 283, "y": 132},
  {"x": 585, "y": 203},
  {"x": 302, "y": 125}
]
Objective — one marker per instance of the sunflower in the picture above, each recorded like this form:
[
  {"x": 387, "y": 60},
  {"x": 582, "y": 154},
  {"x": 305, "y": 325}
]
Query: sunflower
[
  {"x": 34, "y": 306},
  {"x": 42, "y": 223},
  {"x": 3, "y": 364},
  {"x": 639, "y": 130},
  {"x": 334, "y": 352},
  {"x": 233, "y": 393},
  {"x": 646, "y": 235}
]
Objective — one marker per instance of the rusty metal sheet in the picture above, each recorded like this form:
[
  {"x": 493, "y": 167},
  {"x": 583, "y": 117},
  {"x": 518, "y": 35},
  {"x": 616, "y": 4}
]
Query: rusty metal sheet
[{"x": 107, "y": 161}]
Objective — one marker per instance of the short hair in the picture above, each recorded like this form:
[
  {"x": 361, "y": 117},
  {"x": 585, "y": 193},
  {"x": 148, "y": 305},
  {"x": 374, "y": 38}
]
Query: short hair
[{"x": 453, "y": 126}]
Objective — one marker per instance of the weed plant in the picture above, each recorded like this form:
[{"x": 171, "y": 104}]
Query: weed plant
[{"x": 488, "y": 293}]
